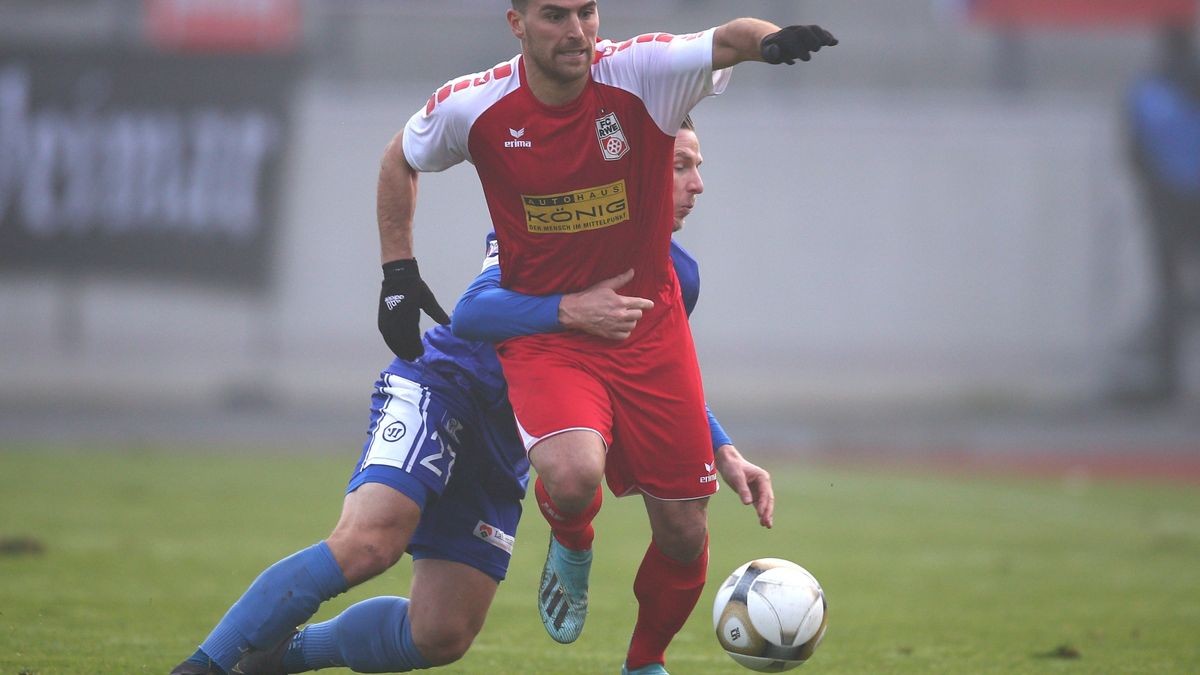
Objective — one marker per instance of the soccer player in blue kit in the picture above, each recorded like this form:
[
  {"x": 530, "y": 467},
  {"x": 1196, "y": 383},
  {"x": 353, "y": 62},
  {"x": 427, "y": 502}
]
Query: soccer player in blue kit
[{"x": 441, "y": 476}]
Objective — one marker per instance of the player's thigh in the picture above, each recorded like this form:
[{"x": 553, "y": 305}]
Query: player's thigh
[
  {"x": 378, "y": 510},
  {"x": 663, "y": 446},
  {"x": 449, "y": 603},
  {"x": 555, "y": 392},
  {"x": 373, "y": 531},
  {"x": 474, "y": 523},
  {"x": 679, "y": 527}
]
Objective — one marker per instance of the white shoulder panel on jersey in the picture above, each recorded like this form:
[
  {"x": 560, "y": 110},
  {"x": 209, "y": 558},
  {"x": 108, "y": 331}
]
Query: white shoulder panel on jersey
[
  {"x": 670, "y": 73},
  {"x": 435, "y": 137}
]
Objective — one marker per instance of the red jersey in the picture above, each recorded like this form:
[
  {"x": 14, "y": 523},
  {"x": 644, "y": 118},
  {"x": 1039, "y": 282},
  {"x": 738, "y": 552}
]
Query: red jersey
[{"x": 581, "y": 192}]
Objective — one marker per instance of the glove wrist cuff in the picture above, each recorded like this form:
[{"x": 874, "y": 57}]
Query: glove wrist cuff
[
  {"x": 769, "y": 50},
  {"x": 401, "y": 268}
]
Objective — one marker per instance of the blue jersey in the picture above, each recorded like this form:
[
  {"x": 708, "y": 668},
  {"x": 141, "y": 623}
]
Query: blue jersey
[
  {"x": 491, "y": 313},
  {"x": 1165, "y": 121}
]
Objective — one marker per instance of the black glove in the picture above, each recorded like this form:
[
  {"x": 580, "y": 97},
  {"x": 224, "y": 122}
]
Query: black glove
[
  {"x": 401, "y": 300},
  {"x": 795, "y": 42}
]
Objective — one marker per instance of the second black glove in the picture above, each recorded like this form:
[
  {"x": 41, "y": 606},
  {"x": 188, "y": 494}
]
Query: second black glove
[
  {"x": 795, "y": 42},
  {"x": 401, "y": 299}
]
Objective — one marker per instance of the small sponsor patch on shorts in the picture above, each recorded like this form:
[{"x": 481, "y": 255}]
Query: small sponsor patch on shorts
[{"x": 494, "y": 536}]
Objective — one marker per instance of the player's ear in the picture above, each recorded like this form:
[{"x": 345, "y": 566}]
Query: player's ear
[{"x": 516, "y": 23}]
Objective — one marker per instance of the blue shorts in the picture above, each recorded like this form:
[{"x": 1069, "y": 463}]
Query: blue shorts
[{"x": 437, "y": 448}]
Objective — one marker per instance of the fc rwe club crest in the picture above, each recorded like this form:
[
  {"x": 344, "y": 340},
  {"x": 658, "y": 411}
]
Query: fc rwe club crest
[{"x": 613, "y": 143}]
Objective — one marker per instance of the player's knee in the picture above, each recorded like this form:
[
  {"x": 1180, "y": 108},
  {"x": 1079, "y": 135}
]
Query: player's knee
[
  {"x": 683, "y": 534},
  {"x": 571, "y": 466},
  {"x": 575, "y": 493},
  {"x": 363, "y": 555},
  {"x": 683, "y": 545},
  {"x": 446, "y": 645},
  {"x": 574, "y": 490},
  {"x": 377, "y": 557}
]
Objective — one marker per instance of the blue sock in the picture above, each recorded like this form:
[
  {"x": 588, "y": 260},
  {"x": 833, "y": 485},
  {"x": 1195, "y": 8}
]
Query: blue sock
[
  {"x": 201, "y": 659},
  {"x": 284, "y": 596},
  {"x": 372, "y": 636}
]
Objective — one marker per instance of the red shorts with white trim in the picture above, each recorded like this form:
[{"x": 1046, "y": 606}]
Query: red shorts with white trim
[{"x": 645, "y": 398}]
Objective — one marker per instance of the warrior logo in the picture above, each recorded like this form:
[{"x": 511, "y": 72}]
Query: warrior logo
[
  {"x": 613, "y": 143},
  {"x": 394, "y": 431}
]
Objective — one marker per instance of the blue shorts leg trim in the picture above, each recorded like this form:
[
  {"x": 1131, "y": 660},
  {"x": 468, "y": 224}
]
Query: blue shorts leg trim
[{"x": 396, "y": 478}]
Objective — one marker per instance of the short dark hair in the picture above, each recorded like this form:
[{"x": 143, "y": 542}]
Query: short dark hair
[
  {"x": 688, "y": 123},
  {"x": 519, "y": 5}
]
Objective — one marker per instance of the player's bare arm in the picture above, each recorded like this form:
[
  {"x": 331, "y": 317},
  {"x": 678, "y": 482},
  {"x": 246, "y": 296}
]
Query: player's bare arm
[
  {"x": 395, "y": 202},
  {"x": 403, "y": 295},
  {"x": 601, "y": 311},
  {"x": 751, "y": 482},
  {"x": 749, "y": 39}
]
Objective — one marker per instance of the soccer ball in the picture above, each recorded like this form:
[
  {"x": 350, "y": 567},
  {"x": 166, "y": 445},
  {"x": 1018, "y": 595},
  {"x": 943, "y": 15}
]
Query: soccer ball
[{"x": 770, "y": 615}]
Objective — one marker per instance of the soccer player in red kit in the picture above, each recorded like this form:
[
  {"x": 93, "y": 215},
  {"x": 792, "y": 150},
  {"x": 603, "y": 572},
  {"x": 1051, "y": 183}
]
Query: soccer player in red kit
[{"x": 573, "y": 142}]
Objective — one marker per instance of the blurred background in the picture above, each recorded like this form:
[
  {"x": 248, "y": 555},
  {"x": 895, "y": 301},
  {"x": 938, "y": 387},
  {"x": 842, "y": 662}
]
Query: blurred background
[{"x": 947, "y": 233}]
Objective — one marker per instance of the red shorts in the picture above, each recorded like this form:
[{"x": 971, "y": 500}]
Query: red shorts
[{"x": 644, "y": 398}]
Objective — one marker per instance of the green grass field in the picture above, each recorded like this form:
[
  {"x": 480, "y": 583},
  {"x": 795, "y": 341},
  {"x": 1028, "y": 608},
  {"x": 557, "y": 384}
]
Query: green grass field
[{"x": 144, "y": 550}]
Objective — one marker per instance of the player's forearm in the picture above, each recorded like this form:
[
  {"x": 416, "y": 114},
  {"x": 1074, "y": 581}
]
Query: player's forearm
[
  {"x": 489, "y": 313},
  {"x": 740, "y": 40},
  {"x": 396, "y": 200},
  {"x": 572, "y": 311}
]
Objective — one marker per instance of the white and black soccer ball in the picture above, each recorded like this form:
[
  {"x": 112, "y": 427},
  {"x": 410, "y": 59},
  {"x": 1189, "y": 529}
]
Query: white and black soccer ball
[{"x": 770, "y": 615}]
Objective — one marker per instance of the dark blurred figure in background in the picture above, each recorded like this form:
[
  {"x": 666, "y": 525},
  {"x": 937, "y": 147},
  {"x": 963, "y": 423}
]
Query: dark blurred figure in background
[{"x": 1163, "y": 127}]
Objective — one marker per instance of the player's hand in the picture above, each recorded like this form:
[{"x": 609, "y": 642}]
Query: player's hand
[
  {"x": 751, "y": 482},
  {"x": 601, "y": 311},
  {"x": 795, "y": 42},
  {"x": 401, "y": 300}
]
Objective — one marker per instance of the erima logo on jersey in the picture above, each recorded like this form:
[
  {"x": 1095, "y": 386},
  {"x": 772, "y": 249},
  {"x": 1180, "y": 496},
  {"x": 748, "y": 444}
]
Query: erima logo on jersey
[
  {"x": 494, "y": 536},
  {"x": 613, "y": 144},
  {"x": 711, "y": 476},
  {"x": 517, "y": 142},
  {"x": 393, "y": 300}
]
